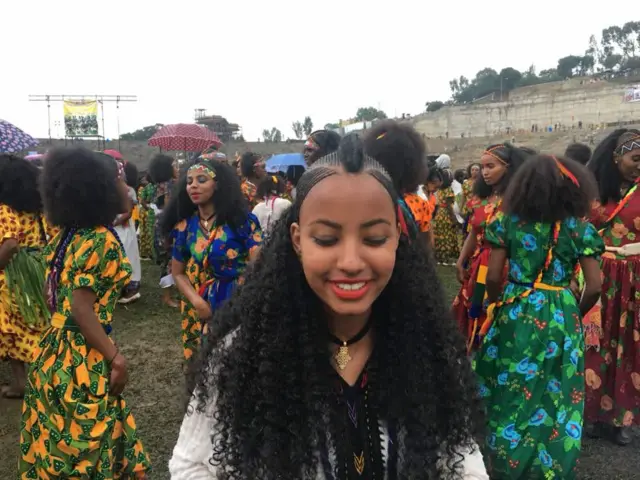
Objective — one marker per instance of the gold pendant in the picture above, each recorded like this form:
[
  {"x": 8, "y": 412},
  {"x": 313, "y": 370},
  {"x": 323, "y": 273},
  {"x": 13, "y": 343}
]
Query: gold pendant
[{"x": 342, "y": 356}]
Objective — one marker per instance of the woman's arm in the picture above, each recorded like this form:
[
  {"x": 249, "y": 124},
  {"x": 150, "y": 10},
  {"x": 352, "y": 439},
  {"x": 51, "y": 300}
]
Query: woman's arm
[
  {"x": 593, "y": 283},
  {"x": 85, "y": 317},
  {"x": 186, "y": 289},
  {"x": 7, "y": 250},
  {"x": 190, "y": 458},
  {"x": 467, "y": 250},
  {"x": 497, "y": 260}
]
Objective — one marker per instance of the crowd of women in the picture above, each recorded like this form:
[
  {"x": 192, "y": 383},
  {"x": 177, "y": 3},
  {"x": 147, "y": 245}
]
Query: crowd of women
[{"x": 316, "y": 337}]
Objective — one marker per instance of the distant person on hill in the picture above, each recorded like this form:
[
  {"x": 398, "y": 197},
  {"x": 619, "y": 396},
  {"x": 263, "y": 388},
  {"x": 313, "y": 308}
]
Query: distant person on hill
[
  {"x": 319, "y": 144},
  {"x": 578, "y": 152}
]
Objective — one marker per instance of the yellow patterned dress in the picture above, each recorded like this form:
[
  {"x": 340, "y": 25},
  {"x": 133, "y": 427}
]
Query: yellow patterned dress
[
  {"x": 72, "y": 428},
  {"x": 17, "y": 340}
]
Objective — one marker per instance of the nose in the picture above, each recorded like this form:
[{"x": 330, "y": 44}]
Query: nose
[{"x": 350, "y": 259}]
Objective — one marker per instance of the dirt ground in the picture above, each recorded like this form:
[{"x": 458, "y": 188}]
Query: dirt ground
[{"x": 148, "y": 334}]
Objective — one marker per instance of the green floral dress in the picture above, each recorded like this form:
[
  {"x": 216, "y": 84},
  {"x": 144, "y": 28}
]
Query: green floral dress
[
  {"x": 446, "y": 232},
  {"x": 531, "y": 364}
]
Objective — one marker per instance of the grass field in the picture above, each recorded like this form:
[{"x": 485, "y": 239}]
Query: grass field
[{"x": 149, "y": 336}]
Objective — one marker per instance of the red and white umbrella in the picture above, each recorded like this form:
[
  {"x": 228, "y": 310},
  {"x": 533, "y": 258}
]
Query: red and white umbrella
[{"x": 186, "y": 137}]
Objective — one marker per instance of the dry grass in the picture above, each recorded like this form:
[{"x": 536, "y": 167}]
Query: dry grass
[{"x": 149, "y": 335}]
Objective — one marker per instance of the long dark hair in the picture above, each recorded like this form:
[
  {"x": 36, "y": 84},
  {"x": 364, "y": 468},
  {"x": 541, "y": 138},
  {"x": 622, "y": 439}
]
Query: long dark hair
[
  {"x": 540, "y": 192},
  {"x": 230, "y": 204},
  {"x": 604, "y": 167},
  {"x": 272, "y": 379},
  {"x": 19, "y": 184},
  {"x": 513, "y": 157}
]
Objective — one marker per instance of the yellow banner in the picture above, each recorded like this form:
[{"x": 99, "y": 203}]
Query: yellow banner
[{"x": 80, "y": 118}]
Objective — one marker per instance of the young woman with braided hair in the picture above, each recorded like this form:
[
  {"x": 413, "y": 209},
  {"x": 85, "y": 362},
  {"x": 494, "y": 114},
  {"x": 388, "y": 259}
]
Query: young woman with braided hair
[
  {"x": 499, "y": 164},
  {"x": 613, "y": 361},
  {"x": 531, "y": 360},
  {"x": 340, "y": 366}
]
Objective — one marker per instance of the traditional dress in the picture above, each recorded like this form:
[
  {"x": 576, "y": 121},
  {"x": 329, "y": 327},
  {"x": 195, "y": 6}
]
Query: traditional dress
[
  {"x": 531, "y": 361},
  {"x": 147, "y": 220},
  {"x": 421, "y": 211},
  {"x": 249, "y": 190},
  {"x": 446, "y": 232},
  {"x": 468, "y": 306},
  {"x": 467, "y": 194},
  {"x": 127, "y": 234},
  {"x": 214, "y": 263},
  {"x": 17, "y": 339},
  {"x": 613, "y": 370},
  {"x": 72, "y": 428}
]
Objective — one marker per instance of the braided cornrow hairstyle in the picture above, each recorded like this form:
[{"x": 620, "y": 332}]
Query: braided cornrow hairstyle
[{"x": 271, "y": 382}]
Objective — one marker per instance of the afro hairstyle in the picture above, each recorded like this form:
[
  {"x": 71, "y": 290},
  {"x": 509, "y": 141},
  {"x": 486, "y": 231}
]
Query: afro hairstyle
[
  {"x": 540, "y": 192},
  {"x": 400, "y": 149},
  {"x": 161, "y": 168},
  {"x": 79, "y": 188},
  {"x": 19, "y": 187}
]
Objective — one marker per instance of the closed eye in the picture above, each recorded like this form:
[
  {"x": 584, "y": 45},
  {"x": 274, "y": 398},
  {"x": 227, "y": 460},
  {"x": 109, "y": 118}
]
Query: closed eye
[
  {"x": 325, "y": 241},
  {"x": 376, "y": 241}
]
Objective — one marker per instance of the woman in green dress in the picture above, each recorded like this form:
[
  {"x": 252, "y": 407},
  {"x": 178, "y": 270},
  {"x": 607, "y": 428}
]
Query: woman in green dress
[
  {"x": 531, "y": 363},
  {"x": 75, "y": 422}
]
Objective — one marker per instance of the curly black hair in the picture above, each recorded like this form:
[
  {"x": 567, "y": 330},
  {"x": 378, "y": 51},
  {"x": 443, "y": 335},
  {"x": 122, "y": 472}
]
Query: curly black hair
[
  {"x": 579, "y": 152},
  {"x": 230, "y": 204},
  {"x": 131, "y": 175},
  {"x": 435, "y": 174},
  {"x": 327, "y": 141},
  {"x": 19, "y": 184},
  {"x": 470, "y": 166},
  {"x": 247, "y": 162},
  {"x": 274, "y": 380},
  {"x": 514, "y": 157},
  {"x": 161, "y": 168},
  {"x": 400, "y": 149},
  {"x": 79, "y": 188},
  {"x": 540, "y": 192},
  {"x": 604, "y": 167},
  {"x": 271, "y": 185},
  {"x": 460, "y": 175}
]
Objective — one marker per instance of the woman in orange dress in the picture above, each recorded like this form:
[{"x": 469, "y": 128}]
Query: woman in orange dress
[
  {"x": 499, "y": 164},
  {"x": 613, "y": 368},
  {"x": 21, "y": 228}
]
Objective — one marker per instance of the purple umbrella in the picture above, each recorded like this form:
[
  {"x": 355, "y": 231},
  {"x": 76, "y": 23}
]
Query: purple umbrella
[{"x": 13, "y": 140}]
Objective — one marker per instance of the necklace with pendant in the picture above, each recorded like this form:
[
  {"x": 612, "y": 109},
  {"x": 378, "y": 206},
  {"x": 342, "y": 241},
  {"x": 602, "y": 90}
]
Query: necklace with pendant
[
  {"x": 205, "y": 223},
  {"x": 342, "y": 357}
]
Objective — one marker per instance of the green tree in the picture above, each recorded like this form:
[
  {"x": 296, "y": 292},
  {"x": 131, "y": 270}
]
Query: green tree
[
  {"x": 142, "y": 134},
  {"x": 331, "y": 126},
  {"x": 509, "y": 78},
  {"x": 434, "y": 106},
  {"x": 567, "y": 66},
  {"x": 297, "y": 129},
  {"x": 368, "y": 114},
  {"x": 307, "y": 126},
  {"x": 274, "y": 135}
]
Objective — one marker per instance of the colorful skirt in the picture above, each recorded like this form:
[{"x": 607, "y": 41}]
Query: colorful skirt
[
  {"x": 613, "y": 371},
  {"x": 71, "y": 427},
  {"x": 529, "y": 372},
  {"x": 147, "y": 229}
]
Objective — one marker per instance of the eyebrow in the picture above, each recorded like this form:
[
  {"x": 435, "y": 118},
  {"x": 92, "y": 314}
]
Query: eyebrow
[{"x": 337, "y": 226}]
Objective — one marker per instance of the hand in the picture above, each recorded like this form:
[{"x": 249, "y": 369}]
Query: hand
[
  {"x": 460, "y": 273},
  {"x": 119, "y": 375},
  {"x": 203, "y": 308}
]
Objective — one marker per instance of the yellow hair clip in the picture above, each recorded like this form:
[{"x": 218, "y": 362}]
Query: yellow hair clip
[
  {"x": 274, "y": 178},
  {"x": 381, "y": 136}
]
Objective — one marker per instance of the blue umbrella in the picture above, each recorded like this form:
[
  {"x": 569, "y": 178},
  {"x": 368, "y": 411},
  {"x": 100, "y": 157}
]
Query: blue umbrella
[
  {"x": 280, "y": 163},
  {"x": 13, "y": 140}
]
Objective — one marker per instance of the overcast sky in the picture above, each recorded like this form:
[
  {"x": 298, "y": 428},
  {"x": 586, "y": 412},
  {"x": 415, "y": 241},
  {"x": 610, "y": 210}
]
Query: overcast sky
[{"x": 267, "y": 63}]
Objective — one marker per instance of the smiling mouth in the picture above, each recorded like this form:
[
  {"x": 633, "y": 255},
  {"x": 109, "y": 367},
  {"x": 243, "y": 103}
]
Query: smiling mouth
[{"x": 350, "y": 286}]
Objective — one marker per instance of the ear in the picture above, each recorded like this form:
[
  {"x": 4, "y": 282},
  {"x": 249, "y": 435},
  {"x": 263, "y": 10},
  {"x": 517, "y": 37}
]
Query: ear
[
  {"x": 294, "y": 232},
  {"x": 398, "y": 233}
]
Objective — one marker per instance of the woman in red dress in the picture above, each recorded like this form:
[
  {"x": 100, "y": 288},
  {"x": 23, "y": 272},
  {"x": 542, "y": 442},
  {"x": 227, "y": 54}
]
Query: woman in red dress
[
  {"x": 612, "y": 368},
  {"x": 498, "y": 165}
]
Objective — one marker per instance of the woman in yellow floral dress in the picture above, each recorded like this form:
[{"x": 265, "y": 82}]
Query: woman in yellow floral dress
[
  {"x": 446, "y": 229},
  {"x": 75, "y": 423},
  {"x": 214, "y": 239},
  {"x": 21, "y": 227}
]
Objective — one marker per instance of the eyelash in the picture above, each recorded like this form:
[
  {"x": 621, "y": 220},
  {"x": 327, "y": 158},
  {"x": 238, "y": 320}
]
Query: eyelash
[{"x": 371, "y": 241}]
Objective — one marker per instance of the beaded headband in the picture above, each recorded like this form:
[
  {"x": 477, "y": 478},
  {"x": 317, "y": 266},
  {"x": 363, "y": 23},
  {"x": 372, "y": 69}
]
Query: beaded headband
[
  {"x": 631, "y": 143},
  {"x": 491, "y": 152},
  {"x": 120, "y": 167},
  {"x": 199, "y": 167},
  {"x": 311, "y": 144}
]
